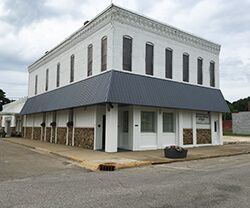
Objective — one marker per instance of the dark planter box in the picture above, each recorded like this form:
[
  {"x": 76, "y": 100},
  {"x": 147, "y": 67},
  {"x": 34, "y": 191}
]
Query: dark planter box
[{"x": 173, "y": 153}]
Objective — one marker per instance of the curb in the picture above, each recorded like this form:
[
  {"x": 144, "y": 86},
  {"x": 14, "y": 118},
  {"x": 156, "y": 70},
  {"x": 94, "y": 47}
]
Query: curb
[
  {"x": 94, "y": 166},
  {"x": 200, "y": 158},
  {"x": 243, "y": 142}
]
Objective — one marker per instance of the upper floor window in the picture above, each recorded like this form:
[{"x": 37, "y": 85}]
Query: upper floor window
[
  {"x": 90, "y": 59},
  {"x": 58, "y": 75},
  {"x": 36, "y": 80},
  {"x": 149, "y": 58},
  {"x": 199, "y": 71},
  {"x": 47, "y": 80},
  {"x": 104, "y": 54},
  {"x": 169, "y": 63},
  {"x": 185, "y": 67},
  {"x": 127, "y": 53},
  {"x": 212, "y": 74},
  {"x": 72, "y": 67}
]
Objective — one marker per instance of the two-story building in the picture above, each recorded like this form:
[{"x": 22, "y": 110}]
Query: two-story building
[{"x": 125, "y": 81}]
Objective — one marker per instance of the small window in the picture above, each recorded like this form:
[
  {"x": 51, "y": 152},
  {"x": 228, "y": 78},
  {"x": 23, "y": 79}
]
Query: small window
[
  {"x": 168, "y": 122},
  {"x": 149, "y": 59},
  {"x": 148, "y": 123},
  {"x": 169, "y": 63},
  {"x": 90, "y": 59},
  {"x": 47, "y": 80},
  {"x": 72, "y": 68},
  {"x": 104, "y": 54},
  {"x": 36, "y": 80},
  {"x": 185, "y": 67},
  {"x": 71, "y": 115},
  {"x": 199, "y": 71},
  {"x": 125, "y": 121},
  {"x": 58, "y": 75},
  {"x": 212, "y": 74},
  {"x": 127, "y": 53}
]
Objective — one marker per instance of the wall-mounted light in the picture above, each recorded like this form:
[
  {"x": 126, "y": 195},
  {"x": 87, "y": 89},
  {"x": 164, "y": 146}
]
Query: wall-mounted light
[{"x": 110, "y": 106}]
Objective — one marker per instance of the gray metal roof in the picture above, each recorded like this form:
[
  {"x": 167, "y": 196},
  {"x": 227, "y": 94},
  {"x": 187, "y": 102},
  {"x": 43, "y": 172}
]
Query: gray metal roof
[{"x": 127, "y": 88}]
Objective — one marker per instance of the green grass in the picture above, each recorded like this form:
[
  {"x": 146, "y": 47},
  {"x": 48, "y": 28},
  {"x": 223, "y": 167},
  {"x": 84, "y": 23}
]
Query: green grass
[{"x": 229, "y": 133}]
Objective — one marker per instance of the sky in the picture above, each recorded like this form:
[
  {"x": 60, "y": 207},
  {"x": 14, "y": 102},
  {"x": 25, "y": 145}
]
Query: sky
[{"x": 28, "y": 28}]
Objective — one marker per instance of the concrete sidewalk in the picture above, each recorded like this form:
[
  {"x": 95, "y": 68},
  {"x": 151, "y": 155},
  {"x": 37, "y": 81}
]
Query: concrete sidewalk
[
  {"x": 93, "y": 159},
  {"x": 236, "y": 139}
]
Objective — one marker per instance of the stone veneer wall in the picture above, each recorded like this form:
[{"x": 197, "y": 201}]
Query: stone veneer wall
[
  {"x": 13, "y": 131},
  {"x": 28, "y": 132},
  {"x": 70, "y": 135},
  {"x": 204, "y": 136},
  {"x": 187, "y": 136},
  {"x": 61, "y": 135},
  {"x": 48, "y": 134},
  {"x": 22, "y": 133},
  {"x": 37, "y": 133},
  {"x": 53, "y": 134},
  {"x": 84, "y": 137},
  {"x": 43, "y": 131}
]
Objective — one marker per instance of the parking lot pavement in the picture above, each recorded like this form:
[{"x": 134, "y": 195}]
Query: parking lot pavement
[
  {"x": 29, "y": 179},
  {"x": 17, "y": 162}
]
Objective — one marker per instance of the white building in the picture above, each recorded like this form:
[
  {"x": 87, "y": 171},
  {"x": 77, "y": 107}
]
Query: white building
[
  {"x": 125, "y": 81},
  {"x": 11, "y": 120}
]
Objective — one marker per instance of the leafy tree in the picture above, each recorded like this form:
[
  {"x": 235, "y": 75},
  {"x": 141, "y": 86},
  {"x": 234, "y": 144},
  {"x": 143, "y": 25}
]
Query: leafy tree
[
  {"x": 236, "y": 106},
  {"x": 3, "y": 99}
]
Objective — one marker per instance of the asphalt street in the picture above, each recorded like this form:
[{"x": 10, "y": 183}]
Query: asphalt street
[{"x": 31, "y": 179}]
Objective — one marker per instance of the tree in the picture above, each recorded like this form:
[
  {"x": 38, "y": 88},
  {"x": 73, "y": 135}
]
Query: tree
[
  {"x": 3, "y": 99},
  {"x": 236, "y": 106}
]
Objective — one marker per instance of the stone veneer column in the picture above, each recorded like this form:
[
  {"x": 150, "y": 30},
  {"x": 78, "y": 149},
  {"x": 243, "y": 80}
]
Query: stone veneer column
[{"x": 187, "y": 136}]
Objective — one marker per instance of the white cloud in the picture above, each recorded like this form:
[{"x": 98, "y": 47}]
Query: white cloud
[
  {"x": 29, "y": 28},
  {"x": 15, "y": 82}
]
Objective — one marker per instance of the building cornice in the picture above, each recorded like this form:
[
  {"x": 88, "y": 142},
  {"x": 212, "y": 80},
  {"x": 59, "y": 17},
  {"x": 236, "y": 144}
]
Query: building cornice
[
  {"x": 118, "y": 14},
  {"x": 94, "y": 25},
  {"x": 162, "y": 29}
]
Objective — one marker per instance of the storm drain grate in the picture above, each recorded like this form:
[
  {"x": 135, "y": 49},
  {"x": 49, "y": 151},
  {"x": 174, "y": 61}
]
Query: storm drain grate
[{"x": 107, "y": 167}]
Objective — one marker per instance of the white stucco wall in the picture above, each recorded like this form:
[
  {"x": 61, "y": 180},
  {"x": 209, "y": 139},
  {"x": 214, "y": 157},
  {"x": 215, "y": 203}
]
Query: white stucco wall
[
  {"x": 153, "y": 140},
  {"x": 29, "y": 121},
  {"x": 182, "y": 119},
  {"x": 38, "y": 119},
  {"x": 62, "y": 118},
  {"x": 115, "y": 35},
  {"x": 141, "y": 37},
  {"x": 80, "y": 52},
  {"x": 85, "y": 117}
]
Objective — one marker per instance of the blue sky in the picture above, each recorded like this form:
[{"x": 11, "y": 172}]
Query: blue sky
[{"x": 28, "y": 28}]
